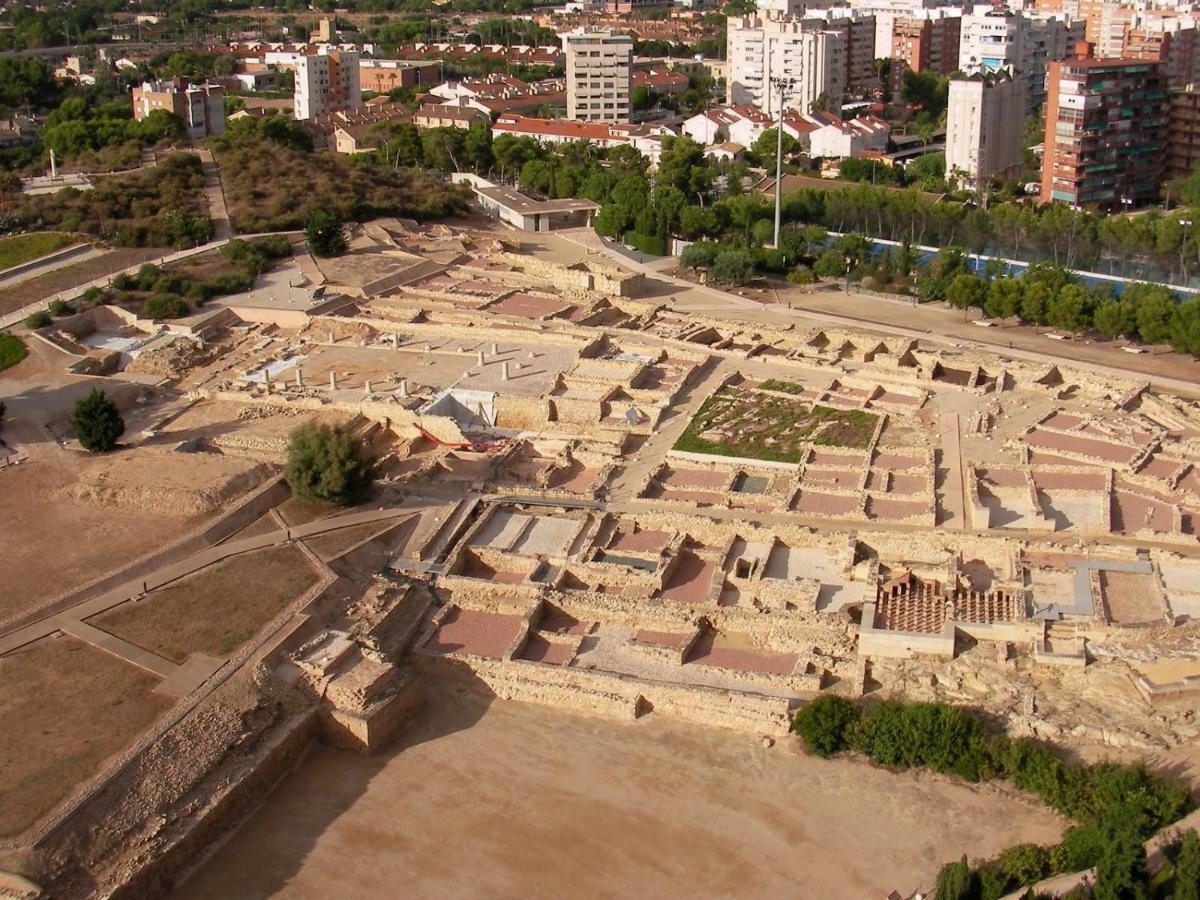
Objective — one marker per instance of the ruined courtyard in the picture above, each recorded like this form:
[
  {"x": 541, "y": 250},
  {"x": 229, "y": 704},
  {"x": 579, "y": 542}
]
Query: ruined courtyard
[{"x": 587, "y": 498}]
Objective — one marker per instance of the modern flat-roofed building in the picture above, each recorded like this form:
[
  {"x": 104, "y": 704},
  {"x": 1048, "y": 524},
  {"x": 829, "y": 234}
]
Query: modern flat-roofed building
[
  {"x": 1106, "y": 133},
  {"x": 983, "y": 137},
  {"x": 599, "y": 75},
  {"x": 326, "y": 82},
  {"x": 201, "y": 106},
  {"x": 808, "y": 54}
]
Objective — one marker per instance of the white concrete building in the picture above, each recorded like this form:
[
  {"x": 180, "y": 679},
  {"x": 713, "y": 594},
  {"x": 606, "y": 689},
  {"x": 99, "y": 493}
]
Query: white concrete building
[
  {"x": 599, "y": 75},
  {"x": 769, "y": 45},
  {"x": 1022, "y": 42},
  {"x": 326, "y": 82},
  {"x": 837, "y": 139},
  {"x": 983, "y": 134}
]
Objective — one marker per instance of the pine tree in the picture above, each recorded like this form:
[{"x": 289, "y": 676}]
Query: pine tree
[{"x": 97, "y": 422}]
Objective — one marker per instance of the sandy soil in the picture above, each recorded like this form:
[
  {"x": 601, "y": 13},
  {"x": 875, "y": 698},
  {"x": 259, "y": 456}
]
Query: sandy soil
[
  {"x": 215, "y": 610},
  {"x": 64, "y": 708},
  {"x": 516, "y": 800},
  {"x": 66, "y": 543}
]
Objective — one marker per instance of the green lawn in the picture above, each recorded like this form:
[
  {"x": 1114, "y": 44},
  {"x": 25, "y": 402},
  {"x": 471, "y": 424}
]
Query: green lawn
[
  {"x": 24, "y": 247},
  {"x": 760, "y": 426},
  {"x": 12, "y": 350}
]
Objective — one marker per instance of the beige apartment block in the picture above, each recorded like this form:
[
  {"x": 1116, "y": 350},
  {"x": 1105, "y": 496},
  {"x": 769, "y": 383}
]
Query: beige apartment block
[{"x": 599, "y": 74}]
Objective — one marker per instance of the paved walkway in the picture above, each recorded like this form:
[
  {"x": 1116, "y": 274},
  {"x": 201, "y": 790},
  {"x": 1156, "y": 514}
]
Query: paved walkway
[
  {"x": 725, "y": 303},
  {"x": 214, "y": 193},
  {"x": 954, "y": 501}
]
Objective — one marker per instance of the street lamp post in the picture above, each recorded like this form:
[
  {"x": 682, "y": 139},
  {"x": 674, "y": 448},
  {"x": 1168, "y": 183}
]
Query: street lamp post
[{"x": 781, "y": 85}]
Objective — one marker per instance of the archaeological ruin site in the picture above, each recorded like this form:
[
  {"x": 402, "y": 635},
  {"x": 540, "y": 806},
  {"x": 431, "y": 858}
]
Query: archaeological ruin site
[{"x": 590, "y": 495}]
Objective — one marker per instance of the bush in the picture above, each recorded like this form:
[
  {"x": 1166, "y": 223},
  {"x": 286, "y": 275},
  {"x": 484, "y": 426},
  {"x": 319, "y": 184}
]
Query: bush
[
  {"x": 229, "y": 283},
  {"x": 1187, "y": 867},
  {"x": 12, "y": 350},
  {"x": 97, "y": 422},
  {"x": 823, "y": 724},
  {"x": 164, "y": 306},
  {"x": 273, "y": 246},
  {"x": 327, "y": 464},
  {"x": 801, "y": 275},
  {"x": 325, "y": 232},
  {"x": 650, "y": 244},
  {"x": 699, "y": 255},
  {"x": 956, "y": 881},
  {"x": 123, "y": 281},
  {"x": 93, "y": 296},
  {"x": 39, "y": 319},
  {"x": 732, "y": 267},
  {"x": 61, "y": 308}
]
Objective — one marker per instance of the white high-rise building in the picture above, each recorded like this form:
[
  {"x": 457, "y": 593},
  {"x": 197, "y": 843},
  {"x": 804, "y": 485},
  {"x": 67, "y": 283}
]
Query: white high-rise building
[
  {"x": 983, "y": 133},
  {"x": 805, "y": 52},
  {"x": 326, "y": 82},
  {"x": 599, "y": 75},
  {"x": 1022, "y": 42}
]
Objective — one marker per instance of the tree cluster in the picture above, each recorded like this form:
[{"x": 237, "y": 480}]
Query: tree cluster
[{"x": 1115, "y": 807}]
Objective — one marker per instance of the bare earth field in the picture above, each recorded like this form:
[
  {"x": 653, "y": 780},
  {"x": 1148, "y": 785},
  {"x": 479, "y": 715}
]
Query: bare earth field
[
  {"x": 215, "y": 610},
  {"x": 66, "y": 543},
  {"x": 64, "y": 708},
  {"x": 516, "y": 800}
]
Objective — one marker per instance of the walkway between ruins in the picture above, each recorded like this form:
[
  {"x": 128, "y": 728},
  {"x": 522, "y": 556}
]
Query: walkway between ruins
[{"x": 953, "y": 495}]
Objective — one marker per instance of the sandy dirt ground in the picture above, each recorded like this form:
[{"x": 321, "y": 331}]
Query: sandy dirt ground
[
  {"x": 215, "y": 610},
  {"x": 508, "y": 800},
  {"x": 64, "y": 708},
  {"x": 67, "y": 543}
]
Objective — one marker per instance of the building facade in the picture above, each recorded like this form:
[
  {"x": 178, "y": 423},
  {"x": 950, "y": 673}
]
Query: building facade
[
  {"x": 201, "y": 106},
  {"x": 326, "y": 82},
  {"x": 983, "y": 137},
  {"x": 1023, "y": 43},
  {"x": 1183, "y": 133},
  {"x": 599, "y": 75},
  {"x": 1106, "y": 133},
  {"x": 927, "y": 43},
  {"x": 805, "y": 53}
]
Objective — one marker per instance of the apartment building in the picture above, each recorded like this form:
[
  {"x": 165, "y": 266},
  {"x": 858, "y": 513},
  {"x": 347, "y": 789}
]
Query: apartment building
[
  {"x": 1025, "y": 43},
  {"x": 858, "y": 34},
  {"x": 383, "y": 75},
  {"x": 809, "y": 56},
  {"x": 983, "y": 137},
  {"x": 201, "y": 106},
  {"x": 599, "y": 75},
  {"x": 1106, "y": 132},
  {"x": 1183, "y": 132},
  {"x": 886, "y": 12},
  {"x": 925, "y": 43},
  {"x": 326, "y": 82}
]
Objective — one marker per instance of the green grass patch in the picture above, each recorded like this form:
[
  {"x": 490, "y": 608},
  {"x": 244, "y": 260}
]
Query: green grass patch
[
  {"x": 22, "y": 248},
  {"x": 778, "y": 429},
  {"x": 783, "y": 387},
  {"x": 12, "y": 350}
]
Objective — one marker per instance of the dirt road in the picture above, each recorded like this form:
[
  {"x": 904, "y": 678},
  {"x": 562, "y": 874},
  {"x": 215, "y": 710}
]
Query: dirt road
[{"x": 513, "y": 800}]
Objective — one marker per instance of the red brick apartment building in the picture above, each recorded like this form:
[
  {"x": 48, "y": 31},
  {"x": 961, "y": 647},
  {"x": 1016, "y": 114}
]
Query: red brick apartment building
[
  {"x": 1106, "y": 132},
  {"x": 923, "y": 45}
]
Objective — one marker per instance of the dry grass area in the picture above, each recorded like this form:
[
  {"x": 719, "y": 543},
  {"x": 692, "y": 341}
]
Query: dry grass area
[
  {"x": 517, "y": 800},
  {"x": 64, "y": 708},
  {"x": 215, "y": 610},
  {"x": 334, "y": 543},
  {"x": 300, "y": 512},
  {"x": 46, "y": 286}
]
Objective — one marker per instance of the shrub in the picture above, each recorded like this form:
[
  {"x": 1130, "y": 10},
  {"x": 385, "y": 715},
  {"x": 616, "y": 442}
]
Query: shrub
[
  {"x": 650, "y": 244},
  {"x": 39, "y": 319},
  {"x": 327, "y": 464},
  {"x": 123, "y": 281},
  {"x": 60, "y": 308},
  {"x": 97, "y": 422},
  {"x": 1187, "y": 867},
  {"x": 956, "y": 881},
  {"x": 801, "y": 275},
  {"x": 699, "y": 255},
  {"x": 229, "y": 283},
  {"x": 1025, "y": 863},
  {"x": 732, "y": 267},
  {"x": 325, "y": 232},
  {"x": 93, "y": 296},
  {"x": 164, "y": 306},
  {"x": 823, "y": 723},
  {"x": 1121, "y": 869},
  {"x": 273, "y": 246},
  {"x": 12, "y": 350}
]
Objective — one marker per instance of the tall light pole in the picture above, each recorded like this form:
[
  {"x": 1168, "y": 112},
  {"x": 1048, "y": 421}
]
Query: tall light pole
[{"x": 781, "y": 85}]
